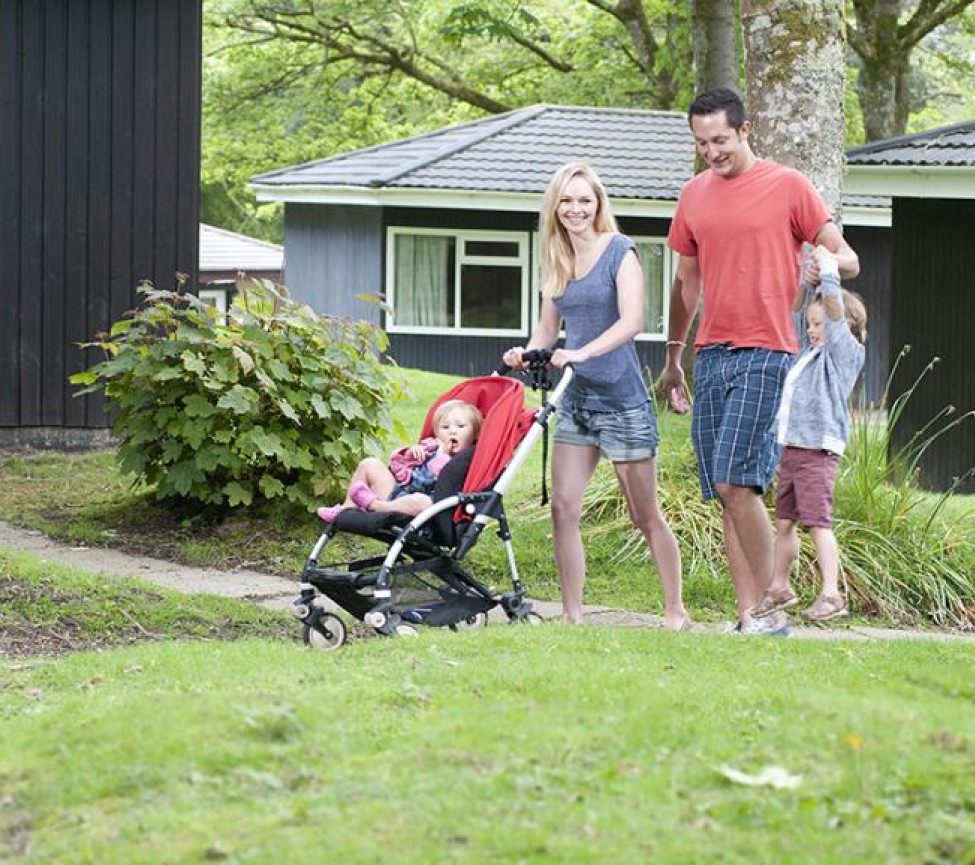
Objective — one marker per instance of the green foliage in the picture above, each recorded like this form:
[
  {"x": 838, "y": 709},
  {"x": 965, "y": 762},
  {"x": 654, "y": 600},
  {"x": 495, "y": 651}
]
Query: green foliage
[
  {"x": 907, "y": 556},
  {"x": 271, "y": 403}
]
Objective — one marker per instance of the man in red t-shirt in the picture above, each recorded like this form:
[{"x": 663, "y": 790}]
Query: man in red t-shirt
[{"x": 739, "y": 228}]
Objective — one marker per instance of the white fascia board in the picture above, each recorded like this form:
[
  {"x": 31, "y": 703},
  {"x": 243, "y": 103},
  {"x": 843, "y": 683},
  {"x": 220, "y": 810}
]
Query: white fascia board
[
  {"x": 867, "y": 217},
  {"x": 518, "y": 202},
  {"x": 911, "y": 181},
  {"x": 456, "y": 199}
]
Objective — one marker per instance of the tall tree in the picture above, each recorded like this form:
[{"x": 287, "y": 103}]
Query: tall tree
[
  {"x": 714, "y": 35},
  {"x": 795, "y": 67},
  {"x": 883, "y": 39}
]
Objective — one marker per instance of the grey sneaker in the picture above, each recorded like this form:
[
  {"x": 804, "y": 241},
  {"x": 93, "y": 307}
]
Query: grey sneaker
[{"x": 775, "y": 625}]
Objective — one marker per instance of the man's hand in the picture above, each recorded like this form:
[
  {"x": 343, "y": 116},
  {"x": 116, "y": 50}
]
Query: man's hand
[{"x": 674, "y": 388}]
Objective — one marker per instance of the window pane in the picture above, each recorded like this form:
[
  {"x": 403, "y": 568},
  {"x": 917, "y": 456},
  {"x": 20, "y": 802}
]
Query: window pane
[
  {"x": 424, "y": 290},
  {"x": 497, "y": 248},
  {"x": 490, "y": 296},
  {"x": 652, "y": 259}
]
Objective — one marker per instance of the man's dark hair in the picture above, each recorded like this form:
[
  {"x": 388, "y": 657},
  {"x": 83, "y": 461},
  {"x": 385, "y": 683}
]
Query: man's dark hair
[{"x": 718, "y": 100}]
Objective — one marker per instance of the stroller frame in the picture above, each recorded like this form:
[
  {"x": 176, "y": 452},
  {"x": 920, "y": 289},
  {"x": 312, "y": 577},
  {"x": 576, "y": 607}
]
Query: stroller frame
[{"x": 365, "y": 589}]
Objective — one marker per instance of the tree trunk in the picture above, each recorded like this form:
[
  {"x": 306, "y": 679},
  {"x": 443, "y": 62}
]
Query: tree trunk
[
  {"x": 882, "y": 81},
  {"x": 883, "y": 38},
  {"x": 795, "y": 69},
  {"x": 714, "y": 31}
]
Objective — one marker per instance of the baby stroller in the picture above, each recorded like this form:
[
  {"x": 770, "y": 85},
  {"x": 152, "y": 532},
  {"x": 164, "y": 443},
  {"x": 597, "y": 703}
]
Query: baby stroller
[{"x": 421, "y": 578}]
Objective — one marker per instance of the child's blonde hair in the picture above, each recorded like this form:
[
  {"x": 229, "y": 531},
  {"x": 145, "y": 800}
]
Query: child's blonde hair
[
  {"x": 558, "y": 260},
  {"x": 474, "y": 416},
  {"x": 855, "y": 311}
]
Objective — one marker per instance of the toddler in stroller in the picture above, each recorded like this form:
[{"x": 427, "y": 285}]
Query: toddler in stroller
[
  {"x": 404, "y": 486},
  {"x": 421, "y": 578}
]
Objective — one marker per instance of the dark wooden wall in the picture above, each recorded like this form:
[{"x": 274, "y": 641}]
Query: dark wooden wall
[
  {"x": 933, "y": 311},
  {"x": 873, "y": 246},
  {"x": 99, "y": 182}
]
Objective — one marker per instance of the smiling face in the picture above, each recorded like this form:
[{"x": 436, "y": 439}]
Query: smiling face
[
  {"x": 577, "y": 207},
  {"x": 815, "y": 324},
  {"x": 455, "y": 431},
  {"x": 725, "y": 149}
]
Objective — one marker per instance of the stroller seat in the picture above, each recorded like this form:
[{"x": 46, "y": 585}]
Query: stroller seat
[{"x": 441, "y": 530}]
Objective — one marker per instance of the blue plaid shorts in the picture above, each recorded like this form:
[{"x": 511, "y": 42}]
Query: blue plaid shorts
[
  {"x": 623, "y": 436},
  {"x": 736, "y": 398}
]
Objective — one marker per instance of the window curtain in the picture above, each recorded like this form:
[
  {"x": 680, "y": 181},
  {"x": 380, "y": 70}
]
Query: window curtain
[{"x": 422, "y": 283}]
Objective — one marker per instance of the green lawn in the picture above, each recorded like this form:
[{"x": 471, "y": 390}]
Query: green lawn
[{"x": 511, "y": 744}]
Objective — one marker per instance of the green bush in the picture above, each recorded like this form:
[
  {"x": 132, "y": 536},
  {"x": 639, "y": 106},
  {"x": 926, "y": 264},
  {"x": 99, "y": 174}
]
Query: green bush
[{"x": 270, "y": 403}]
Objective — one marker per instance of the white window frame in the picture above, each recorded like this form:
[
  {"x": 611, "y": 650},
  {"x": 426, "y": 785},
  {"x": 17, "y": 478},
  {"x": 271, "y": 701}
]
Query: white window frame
[
  {"x": 668, "y": 277},
  {"x": 669, "y": 268},
  {"x": 216, "y": 297},
  {"x": 461, "y": 237}
]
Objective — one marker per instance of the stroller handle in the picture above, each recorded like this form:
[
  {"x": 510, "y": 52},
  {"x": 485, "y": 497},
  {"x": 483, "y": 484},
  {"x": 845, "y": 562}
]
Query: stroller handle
[{"x": 536, "y": 360}]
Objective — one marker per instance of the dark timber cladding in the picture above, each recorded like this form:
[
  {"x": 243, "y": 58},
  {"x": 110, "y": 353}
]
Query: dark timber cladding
[
  {"x": 933, "y": 311},
  {"x": 99, "y": 180}
]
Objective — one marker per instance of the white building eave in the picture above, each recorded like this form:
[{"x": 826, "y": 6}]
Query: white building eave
[
  {"x": 518, "y": 202},
  {"x": 911, "y": 181}
]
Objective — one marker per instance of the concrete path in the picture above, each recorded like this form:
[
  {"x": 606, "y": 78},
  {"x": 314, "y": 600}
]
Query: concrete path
[{"x": 279, "y": 592}]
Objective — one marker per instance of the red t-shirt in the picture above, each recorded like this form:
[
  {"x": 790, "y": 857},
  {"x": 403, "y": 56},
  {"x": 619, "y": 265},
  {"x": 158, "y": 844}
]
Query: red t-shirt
[{"x": 747, "y": 234}]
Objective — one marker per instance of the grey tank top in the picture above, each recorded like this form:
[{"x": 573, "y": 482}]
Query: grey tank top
[{"x": 612, "y": 381}]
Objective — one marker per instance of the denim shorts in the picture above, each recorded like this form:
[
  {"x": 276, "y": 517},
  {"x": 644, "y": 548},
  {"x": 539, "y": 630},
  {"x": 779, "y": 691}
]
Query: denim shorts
[
  {"x": 623, "y": 436},
  {"x": 804, "y": 492},
  {"x": 736, "y": 398}
]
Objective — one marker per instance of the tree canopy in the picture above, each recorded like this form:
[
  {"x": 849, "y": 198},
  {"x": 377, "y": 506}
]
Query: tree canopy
[{"x": 287, "y": 81}]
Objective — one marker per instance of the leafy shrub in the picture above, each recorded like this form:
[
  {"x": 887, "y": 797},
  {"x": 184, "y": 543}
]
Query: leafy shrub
[{"x": 272, "y": 402}]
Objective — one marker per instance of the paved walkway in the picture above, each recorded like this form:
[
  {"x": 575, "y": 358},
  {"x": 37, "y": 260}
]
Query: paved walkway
[{"x": 279, "y": 592}]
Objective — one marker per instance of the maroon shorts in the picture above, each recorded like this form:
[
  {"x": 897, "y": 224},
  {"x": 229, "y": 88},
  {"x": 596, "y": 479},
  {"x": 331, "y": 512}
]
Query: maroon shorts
[{"x": 804, "y": 492}]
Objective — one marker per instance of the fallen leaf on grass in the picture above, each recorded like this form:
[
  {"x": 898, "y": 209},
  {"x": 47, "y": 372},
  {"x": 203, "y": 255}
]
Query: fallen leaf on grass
[{"x": 770, "y": 776}]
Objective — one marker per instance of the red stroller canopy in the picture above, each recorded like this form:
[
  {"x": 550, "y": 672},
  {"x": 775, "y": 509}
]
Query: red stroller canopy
[{"x": 506, "y": 422}]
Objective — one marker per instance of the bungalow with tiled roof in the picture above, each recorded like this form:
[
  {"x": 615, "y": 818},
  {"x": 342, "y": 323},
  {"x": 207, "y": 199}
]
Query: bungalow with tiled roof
[
  {"x": 444, "y": 227},
  {"x": 930, "y": 177}
]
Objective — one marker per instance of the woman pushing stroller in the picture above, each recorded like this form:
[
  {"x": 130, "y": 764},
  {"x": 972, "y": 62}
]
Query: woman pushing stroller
[
  {"x": 404, "y": 486},
  {"x": 593, "y": 284}
]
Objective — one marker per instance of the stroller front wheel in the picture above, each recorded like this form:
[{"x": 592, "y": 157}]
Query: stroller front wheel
[
  {"x": 478, "y": 620},
  {"x": 327, "y": 634}
]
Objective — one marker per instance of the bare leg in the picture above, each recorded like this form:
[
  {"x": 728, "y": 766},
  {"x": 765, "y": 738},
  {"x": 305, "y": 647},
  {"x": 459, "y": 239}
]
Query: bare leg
[
  {"x": 638, "y": 481},
  {"x": 748, "y": 540},
  {"x": 572, "y": 467},
  {"x": 786, "y": 552},
  {"x": 828, "y": 558},
  {"x": 410, "y": 504},
  {"x": 376, "y": 475}
]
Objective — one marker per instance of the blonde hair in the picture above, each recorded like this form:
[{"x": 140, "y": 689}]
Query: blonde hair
[
  {"x": 855, "y": 311},
  {"x": 558, "y": 259},
  {"x": 474, "y": 416}
]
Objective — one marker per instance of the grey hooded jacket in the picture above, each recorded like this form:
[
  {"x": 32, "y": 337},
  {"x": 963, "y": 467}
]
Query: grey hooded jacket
[{"x": 815, "y": 408}]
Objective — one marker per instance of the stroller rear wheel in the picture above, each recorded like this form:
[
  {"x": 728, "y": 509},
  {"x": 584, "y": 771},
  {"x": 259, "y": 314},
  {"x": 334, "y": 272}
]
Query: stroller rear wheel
[{"x": 327, "y": 634}]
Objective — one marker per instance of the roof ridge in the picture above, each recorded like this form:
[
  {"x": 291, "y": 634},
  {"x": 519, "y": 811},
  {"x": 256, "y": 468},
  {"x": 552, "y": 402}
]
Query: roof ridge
[
  {"x": 508, "y": 120},
  {"x": 914, "y": 138}
]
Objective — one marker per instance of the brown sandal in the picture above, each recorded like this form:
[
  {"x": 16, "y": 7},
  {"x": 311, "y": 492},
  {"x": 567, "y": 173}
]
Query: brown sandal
[
  {"x": 773, "y": 602},
  {"x": 826, "y": 607}
]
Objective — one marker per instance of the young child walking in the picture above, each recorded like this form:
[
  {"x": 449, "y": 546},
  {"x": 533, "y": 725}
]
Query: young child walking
[
  {"x": 404, "y": 486},
  {"x": 813, "y": 425}
]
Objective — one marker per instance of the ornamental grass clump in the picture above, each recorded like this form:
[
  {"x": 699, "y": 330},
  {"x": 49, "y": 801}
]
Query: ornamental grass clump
[
  {"x": 906, "y": 555},
  {"x": 271, "y": 402}
]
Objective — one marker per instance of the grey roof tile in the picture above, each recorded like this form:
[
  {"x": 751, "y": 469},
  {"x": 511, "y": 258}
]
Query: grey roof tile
[
  {"x": 945, "y": 146},
  {"x": 638, "y": 154}
]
